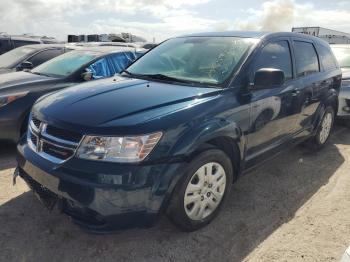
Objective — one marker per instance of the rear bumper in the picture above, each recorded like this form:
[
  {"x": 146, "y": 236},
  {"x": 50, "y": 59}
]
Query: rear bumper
[
  {"x": 102, "y": 196},
  {"x": 344, "y": 103}
]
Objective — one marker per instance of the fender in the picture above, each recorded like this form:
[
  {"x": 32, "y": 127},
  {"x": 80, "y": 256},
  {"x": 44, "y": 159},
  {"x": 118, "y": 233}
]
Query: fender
[
  {"x": 330, "y": 99},
  {"x": 193, "y": 138}
]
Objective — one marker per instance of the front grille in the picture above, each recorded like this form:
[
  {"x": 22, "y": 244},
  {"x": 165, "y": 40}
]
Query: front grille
[
  {"x": 63, "y": 134},
  {"x": 53, "y": 143},
  {"x": 36, "y": 122},
  {"x": 33, "y": 138},
  {"x": 58, "y": 152}
]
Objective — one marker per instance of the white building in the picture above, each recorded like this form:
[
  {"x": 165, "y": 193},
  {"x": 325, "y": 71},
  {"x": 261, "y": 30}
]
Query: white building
[{"x": 329, "y": 35}]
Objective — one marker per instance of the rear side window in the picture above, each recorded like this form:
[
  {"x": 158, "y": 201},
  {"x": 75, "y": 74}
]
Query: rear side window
[
  {"x": 327, "y": 58},
  {"x": 18, "y": 43},
  {"x": 305, "y": 58},
  {"x": 44, "y": 56},
  {"x": 276, "y": 55},
  {"x": 4, "y": 46}
]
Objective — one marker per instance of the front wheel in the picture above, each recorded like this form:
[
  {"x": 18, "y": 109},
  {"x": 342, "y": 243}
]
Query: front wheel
[
  {"x": 324, "y": 130},
  {"x": 201, "y": 192}
]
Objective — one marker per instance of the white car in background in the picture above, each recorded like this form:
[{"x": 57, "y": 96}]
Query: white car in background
[
  {"x": 342, "y": 53},
  {"x": 346, "y": 256}
]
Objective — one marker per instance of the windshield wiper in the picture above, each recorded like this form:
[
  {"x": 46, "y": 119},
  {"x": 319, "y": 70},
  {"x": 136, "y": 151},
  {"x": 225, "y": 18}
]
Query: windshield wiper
[
  {"x": 163, "y": 77},
  {"x": 40, "y": 74}
]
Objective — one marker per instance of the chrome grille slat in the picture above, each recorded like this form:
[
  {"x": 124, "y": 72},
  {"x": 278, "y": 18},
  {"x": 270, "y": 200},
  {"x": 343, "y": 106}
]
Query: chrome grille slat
[{"x": 50, "y": 147}]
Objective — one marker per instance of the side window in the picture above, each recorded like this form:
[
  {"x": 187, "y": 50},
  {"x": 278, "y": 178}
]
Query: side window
[
  {"x": 111, "y": 65},
  {"x": 122, "y": 60},
  {"x": 276, "y": 55},
  {"x": 327, "y": 58},
  {"x": 18, "y": 43},
  {"x": 44, "y": 56},
  {"x": 99, "y": 68},
  {"x": 4, "y": 46},
  {"x": 306, "y": 58}
]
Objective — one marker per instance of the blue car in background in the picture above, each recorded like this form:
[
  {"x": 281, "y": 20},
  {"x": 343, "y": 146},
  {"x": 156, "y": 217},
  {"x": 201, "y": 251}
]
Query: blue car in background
[
  {"x": 178, "y": 126},
  {"x": 19, "y": 90}
]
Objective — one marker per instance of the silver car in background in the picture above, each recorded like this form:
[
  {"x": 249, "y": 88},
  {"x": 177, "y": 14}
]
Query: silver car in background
[{"x": 342, "y": 53}]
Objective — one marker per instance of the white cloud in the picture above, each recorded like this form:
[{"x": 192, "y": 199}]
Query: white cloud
[
  {"x": 169, "y": 17},
  {"x": 282, "y": 15},
  {"x": 50, "y": 17}
]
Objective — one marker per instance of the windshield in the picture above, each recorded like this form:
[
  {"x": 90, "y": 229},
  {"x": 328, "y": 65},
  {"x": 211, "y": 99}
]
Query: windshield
[
  {"x": 13, "y": 57},
  {"x": 66, "y": 64},
  {"x": 203, "y": 60},
  {"x": 343, "y": 56}
]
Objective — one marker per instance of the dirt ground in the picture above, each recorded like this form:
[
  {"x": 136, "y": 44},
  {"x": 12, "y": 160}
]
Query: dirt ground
[{"x": 295, "y": 208}]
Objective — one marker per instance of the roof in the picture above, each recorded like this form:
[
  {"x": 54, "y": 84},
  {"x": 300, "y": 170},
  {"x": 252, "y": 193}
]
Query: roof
[
  {"x": 247, "y": 34},
  {"x": 45, "y": 46},
  {"x": 257, "y": 35},
  {"x": 340, "y": 46},
  {"x": 102, "y": 49}
]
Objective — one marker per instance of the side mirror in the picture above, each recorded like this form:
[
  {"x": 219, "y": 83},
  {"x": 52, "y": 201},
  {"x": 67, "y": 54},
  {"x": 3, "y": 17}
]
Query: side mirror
[
  {"x": 87, "y": 76},
  {"x": 25, "y": 65},
  {"x": 268, "y": 78}
]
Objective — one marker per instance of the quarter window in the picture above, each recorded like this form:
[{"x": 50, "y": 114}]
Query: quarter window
[
  {"x": 327, "y": 58},
  {"x": 276, "y": 55},
  {"x": 306, "y": 58}
]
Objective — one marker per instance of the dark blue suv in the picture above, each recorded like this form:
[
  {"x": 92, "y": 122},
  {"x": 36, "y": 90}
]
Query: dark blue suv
[{"x": 176, "y": 129}]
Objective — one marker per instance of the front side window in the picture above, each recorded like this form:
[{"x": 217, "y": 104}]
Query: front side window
[
  {"x": 276, "y": 55},
  {"x": 343, "y": 56},
  {"x": 66, "y": 64},
  {"x": 111, "y": 65},
  {"x": 202, "y": 60},
  {"x": 44, "y": 56},
  {"x": 306, "y": 58}
]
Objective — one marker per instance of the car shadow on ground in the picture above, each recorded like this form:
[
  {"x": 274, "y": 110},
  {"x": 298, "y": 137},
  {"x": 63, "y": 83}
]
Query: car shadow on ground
[
  {"x": 261, "y": 202},
  {"x": 7, "y": 155}
]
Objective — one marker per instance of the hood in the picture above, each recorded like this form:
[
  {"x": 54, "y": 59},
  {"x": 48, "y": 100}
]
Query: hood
[
  {"x": 102, "y": 102},
  {"x": 10, "y": 80},
  {"x": 6, "y": 70},
  {"x": 346, "y": 73}
]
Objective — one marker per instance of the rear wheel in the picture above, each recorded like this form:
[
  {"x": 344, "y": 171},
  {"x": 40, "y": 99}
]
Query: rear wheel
[
  {"x": 324, "y": 129},
  {"x": 201, "y": 192}
]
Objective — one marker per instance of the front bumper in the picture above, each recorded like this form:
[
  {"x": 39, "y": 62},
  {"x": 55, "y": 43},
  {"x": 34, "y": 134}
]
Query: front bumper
[{"x": 102, "y": 196}]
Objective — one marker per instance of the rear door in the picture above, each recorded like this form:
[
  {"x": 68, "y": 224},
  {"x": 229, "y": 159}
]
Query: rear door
[
  {"x": 273, "y": 116},
  {"x": 315, "y": 83}
]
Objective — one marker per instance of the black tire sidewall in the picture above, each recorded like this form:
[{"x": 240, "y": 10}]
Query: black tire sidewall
[{"x": 176, "y": 209}]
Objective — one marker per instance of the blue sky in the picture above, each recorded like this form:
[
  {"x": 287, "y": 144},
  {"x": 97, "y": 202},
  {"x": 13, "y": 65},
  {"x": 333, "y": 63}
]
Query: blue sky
[{"x": 166, "y": 18}]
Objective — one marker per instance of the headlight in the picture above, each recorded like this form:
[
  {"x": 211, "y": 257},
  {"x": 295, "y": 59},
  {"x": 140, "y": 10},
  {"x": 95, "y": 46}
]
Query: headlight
[
  {"x": 118, "y": 149},
  {"x": 6, "y": 99}
]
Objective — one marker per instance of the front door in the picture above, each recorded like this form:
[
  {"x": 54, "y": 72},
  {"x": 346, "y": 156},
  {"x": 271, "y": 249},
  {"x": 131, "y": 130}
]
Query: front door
[{"x": 273, "y": 118}]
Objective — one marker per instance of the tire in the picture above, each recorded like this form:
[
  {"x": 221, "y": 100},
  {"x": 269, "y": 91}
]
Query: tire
[
  {"x": 204, "y": 195},
  {"x": 323, "y": 131}
]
